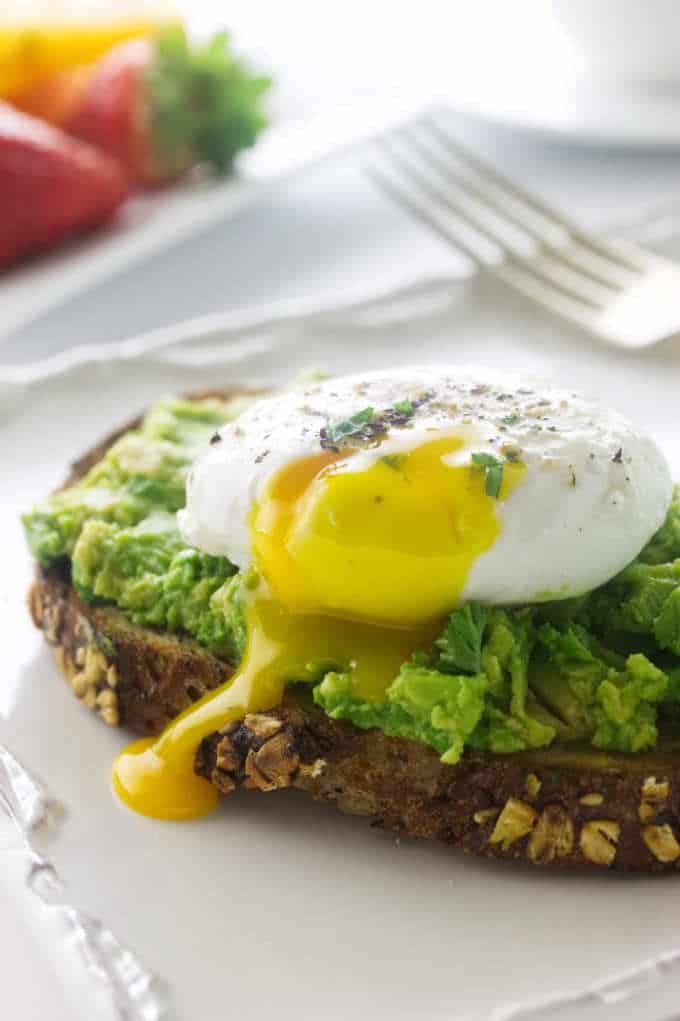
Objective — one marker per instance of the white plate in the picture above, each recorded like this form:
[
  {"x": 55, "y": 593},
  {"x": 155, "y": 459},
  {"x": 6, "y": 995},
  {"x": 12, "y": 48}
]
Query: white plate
[{"x": 275, "y": 906}]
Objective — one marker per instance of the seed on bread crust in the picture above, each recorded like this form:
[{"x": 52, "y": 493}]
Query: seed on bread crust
[
  {"x": 514, "y": 822},
  {"x": 654, "y": 795},
  {"x": 591, "y": 800},
  {"x": 552, "y": 836},
  {"x": 484, "y": 815},
  {"x": 532, "y": 786},
  {"x": 661, "y": 842},
  {"x": 598, "y": 841}
]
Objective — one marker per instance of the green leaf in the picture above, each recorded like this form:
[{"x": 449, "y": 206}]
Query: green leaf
[
  {"x": 205, "y": 103},
  {"x": 405, "y": 407},
  {"x": 336, "y": 433},
  {"x": 494, "y": 479},
  {"x": 394, "y": 461},
  {"x": 486, "y": 461},
  {"x": 460, "y": 645},
  {"x": 493, "y": 473}
]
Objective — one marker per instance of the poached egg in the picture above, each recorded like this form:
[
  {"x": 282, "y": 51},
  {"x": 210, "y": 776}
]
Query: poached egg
[{"x": 369, "y": 507}]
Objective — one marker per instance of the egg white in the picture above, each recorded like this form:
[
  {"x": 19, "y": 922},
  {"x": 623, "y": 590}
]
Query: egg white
[{"x": 595, "y": 490}]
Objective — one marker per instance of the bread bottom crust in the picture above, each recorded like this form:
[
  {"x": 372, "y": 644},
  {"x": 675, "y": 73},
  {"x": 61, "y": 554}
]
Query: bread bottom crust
[{"x": 560, "y": 806}]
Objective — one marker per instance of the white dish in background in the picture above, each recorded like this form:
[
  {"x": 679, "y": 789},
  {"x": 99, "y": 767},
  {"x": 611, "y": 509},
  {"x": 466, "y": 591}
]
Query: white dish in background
[
  {"x": 533, "y": 72},
  {"x": 624, "y": 38},
  {"x": 275, "y": 905},
  {"x": 584, "y": 112},
  {"x": 150, "y": 223},
  {"x": 518, "y": 65},
  {"x": 521, "y": 65}
]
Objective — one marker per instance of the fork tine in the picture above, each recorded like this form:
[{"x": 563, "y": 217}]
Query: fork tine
[
  {"x": 479, "y": 187},
  {"x": 434, "y": 192},
  {"x": 616, "y": 251},
  {"x": 554, "y": 299},
  {"x": 588, "y": 263},
  {"x": 572, "y": 283},
  {"x": 404, "y": 198}
]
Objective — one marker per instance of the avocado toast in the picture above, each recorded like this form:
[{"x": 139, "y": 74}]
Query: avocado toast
[{"x": 139, "y": 657}]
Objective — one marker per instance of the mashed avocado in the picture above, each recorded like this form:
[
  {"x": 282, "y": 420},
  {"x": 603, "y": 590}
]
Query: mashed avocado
[
  {"x": 117, "y": 528},
  {"x": 603, "y": 668}
]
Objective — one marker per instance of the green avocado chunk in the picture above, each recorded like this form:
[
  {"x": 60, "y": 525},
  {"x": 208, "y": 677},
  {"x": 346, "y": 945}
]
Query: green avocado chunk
[
  {"x": 603, "y": 668},
  {"x": 117, "y": 527}
]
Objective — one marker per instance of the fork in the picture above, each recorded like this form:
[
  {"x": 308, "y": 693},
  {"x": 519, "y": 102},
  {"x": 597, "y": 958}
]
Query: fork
[{"x": 614, "y": 290}]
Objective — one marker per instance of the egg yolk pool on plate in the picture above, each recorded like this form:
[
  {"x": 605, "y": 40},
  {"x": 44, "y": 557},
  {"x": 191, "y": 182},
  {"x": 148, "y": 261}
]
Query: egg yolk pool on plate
[{"x": 356, "y": 568}]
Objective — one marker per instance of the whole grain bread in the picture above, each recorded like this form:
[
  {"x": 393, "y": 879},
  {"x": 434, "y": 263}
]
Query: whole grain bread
[{"x": 558, "y": 806}]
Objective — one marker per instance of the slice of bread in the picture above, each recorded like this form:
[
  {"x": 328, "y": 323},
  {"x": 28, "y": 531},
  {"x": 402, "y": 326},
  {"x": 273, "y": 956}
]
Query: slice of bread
[{"x": 559, "y": 806}]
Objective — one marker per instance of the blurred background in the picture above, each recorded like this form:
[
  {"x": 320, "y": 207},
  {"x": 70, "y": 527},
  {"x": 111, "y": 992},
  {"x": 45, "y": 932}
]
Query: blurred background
[{"x": 579, "y": 100}]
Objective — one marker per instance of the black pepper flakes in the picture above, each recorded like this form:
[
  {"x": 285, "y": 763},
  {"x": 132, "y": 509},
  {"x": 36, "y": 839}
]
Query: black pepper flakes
[
  {"x": 215, "y": 438},
  {"x": 618, "y": 456}
]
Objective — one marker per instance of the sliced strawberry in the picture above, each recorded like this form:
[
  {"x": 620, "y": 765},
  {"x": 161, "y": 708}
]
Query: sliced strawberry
[
  {"x": 161, "y": 106},
  {"x": 55, "y": 99},
  {"x": 51, "y": 185},
  {"x": 109, "y": 114}
]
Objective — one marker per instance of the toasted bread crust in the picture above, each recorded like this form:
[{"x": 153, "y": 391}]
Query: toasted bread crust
[{"x": 557, "y": 807}]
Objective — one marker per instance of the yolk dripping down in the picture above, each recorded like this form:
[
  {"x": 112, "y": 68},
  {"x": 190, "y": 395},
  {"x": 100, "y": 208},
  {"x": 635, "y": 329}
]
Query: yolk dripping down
[{"x": 357, "y": 570}]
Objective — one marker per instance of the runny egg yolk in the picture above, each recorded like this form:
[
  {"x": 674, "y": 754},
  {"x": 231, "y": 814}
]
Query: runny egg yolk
[{"x": 356, "y": 570}]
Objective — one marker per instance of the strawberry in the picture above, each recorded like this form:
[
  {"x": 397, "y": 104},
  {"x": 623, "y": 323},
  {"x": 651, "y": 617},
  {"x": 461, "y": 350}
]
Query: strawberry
[
  {"x": 51, "y": 185},
  {"x": 159, "y": 105}
]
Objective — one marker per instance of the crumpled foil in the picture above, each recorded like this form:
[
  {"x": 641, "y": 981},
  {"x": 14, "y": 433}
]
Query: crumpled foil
[{"x": 111, "y": 980}]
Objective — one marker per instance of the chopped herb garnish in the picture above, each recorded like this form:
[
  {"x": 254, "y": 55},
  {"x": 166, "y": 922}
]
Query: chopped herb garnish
[
  {"x": 395, "y": 461},
  {"x": 494, "y": 479},
  {"x": 460, "y": 647},
  {"x": 510, "y": 419},
  {"x": 493, "y": 473},
  {"x": 333, "y": 435},
  {"x": 405, "y": 407},
  {"x": 485, "y": 460}
]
